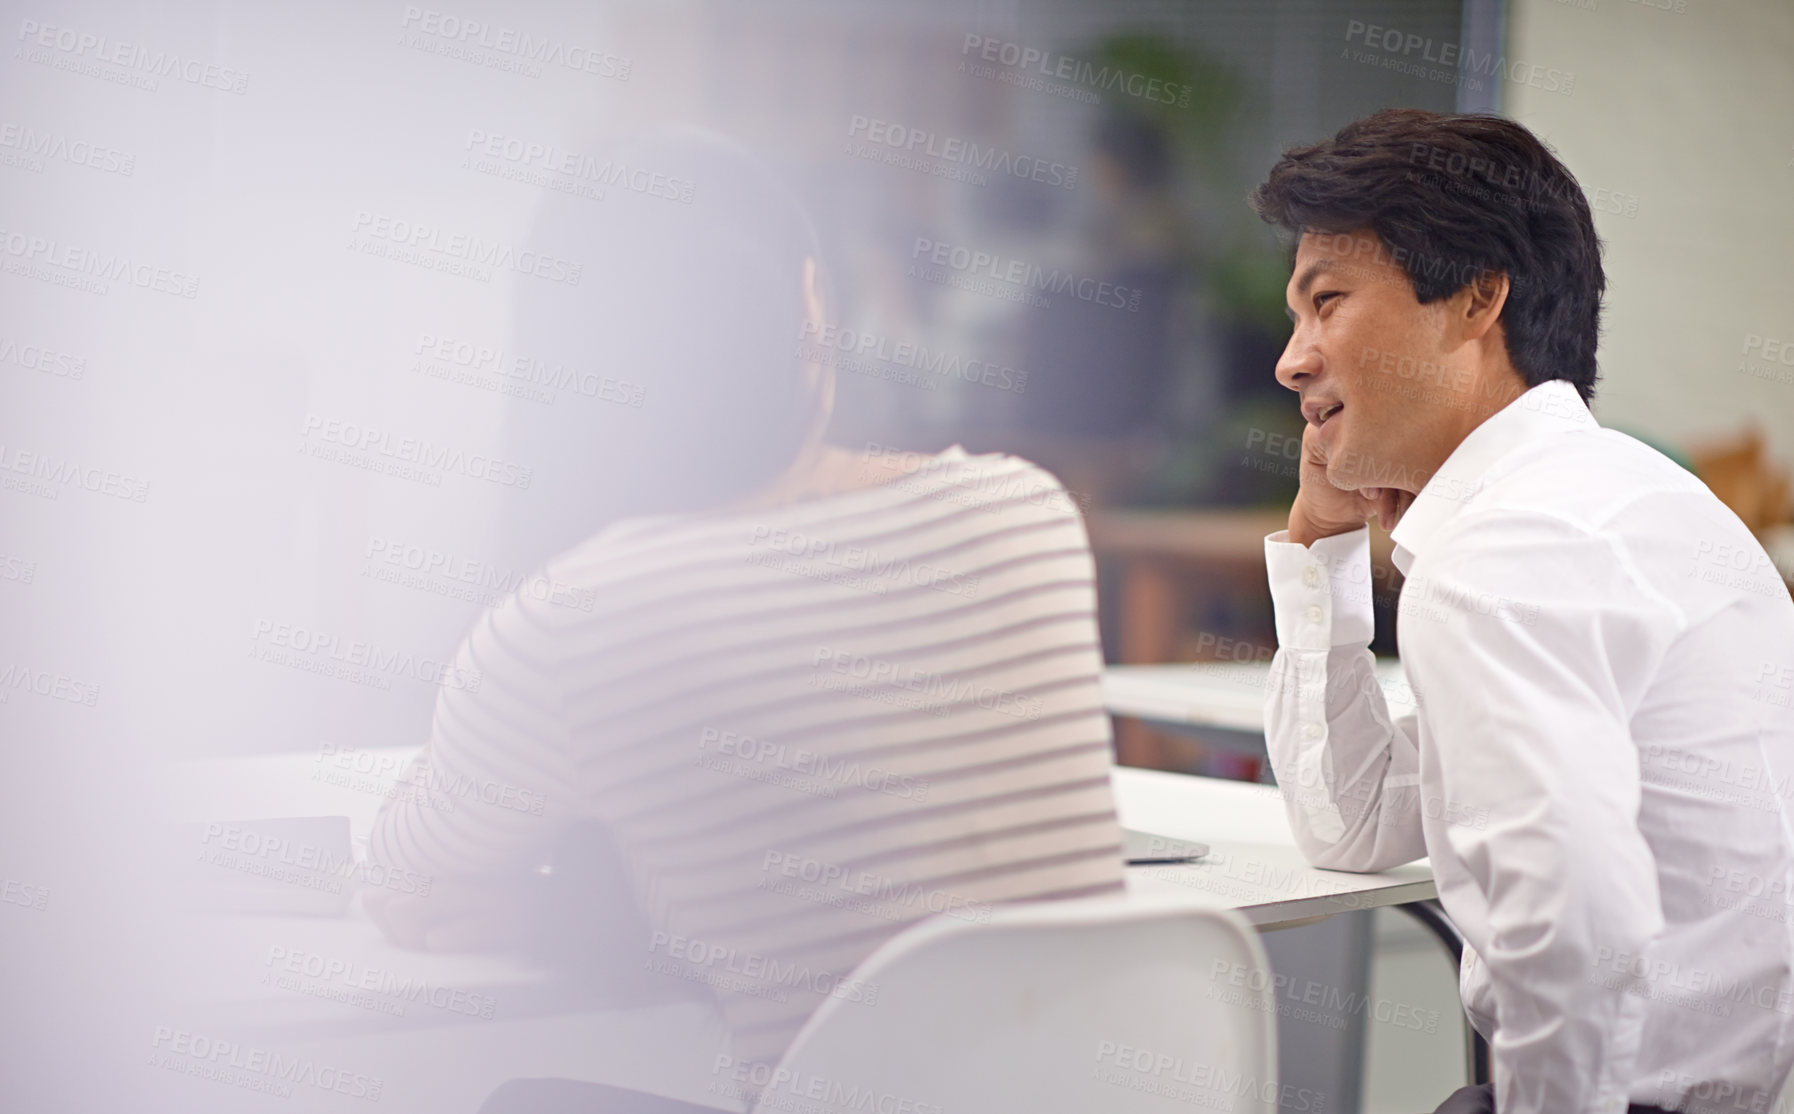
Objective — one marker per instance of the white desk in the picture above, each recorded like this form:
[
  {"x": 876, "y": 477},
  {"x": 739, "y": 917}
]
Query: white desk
[
  {"x": 435, "y": 1059},
  {"x": 1257, "y": 869},
  {"x": 1228, "y": 695},
  {"x": 1254, "y": 865},
  {"x": 431, "y": 1058}
]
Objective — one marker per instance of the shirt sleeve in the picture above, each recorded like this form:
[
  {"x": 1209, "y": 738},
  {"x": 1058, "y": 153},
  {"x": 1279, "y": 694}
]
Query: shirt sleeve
[
  {"x": 480, "y": 797},
  {"x": 1530, "y": 642},
  {"x": 1348, "y": 770}
]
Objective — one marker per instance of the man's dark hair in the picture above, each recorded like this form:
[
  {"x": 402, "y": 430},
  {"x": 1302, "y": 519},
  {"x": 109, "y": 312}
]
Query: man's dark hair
[{"x": 1453, "y": 197}]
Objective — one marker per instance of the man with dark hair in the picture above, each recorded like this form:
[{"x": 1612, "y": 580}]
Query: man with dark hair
[{"x": 1601, "y": 653}]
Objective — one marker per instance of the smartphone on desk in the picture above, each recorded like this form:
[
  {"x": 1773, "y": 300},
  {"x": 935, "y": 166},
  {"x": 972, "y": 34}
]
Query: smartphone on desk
[{"x": 1146, "y": 849}]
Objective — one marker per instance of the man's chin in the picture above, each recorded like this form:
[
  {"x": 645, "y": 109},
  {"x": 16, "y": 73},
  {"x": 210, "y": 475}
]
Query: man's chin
[
  {"x": 1350, "y": 470},
  {"x": 1343, "y": 477}
]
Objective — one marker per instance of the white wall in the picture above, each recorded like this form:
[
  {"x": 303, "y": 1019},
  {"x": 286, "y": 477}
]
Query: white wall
[{"x": 1692, "y": 113}]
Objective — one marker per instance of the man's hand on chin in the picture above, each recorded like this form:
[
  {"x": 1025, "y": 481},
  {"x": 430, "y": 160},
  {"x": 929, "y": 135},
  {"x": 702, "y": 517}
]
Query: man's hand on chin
[
  {"x": 1390, "y": 503},
  {"x": 1322, "y": 510}
]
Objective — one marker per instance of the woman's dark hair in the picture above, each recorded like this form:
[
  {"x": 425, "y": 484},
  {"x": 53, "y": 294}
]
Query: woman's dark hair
[
  {"x": 684, "y": 331},
  {"x": 1452, "y": 198}
]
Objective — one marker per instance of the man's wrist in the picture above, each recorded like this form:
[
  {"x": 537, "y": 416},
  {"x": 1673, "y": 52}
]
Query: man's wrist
[{"x": 1320, "y": 593}]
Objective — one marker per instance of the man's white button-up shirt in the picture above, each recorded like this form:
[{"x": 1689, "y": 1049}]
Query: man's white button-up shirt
[{"x": 1600, "y": 768}]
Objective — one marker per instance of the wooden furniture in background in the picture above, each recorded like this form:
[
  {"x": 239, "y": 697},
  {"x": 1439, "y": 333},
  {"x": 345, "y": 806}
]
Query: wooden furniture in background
[{"x": 1739, "y": 471}]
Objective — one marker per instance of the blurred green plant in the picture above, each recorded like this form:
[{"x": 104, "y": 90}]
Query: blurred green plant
[
  {"x": 1205, "y": 126},
  {"x": 1241, "y": 265}
]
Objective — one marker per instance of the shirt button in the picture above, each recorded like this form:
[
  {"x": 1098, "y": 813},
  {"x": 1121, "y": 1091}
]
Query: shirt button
[
  {"x": 1312, "y": 730},
  {"x": 1314, "y": 613},
  {"x": 1311, "y": 576}
]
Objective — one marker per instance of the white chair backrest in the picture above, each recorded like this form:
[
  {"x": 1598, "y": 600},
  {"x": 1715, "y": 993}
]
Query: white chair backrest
[{"x": 1118, "y": 1005}]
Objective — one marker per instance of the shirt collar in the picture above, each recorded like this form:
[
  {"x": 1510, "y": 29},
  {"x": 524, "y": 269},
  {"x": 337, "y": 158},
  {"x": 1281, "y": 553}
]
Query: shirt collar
[{"x": 1553, "y": 406}]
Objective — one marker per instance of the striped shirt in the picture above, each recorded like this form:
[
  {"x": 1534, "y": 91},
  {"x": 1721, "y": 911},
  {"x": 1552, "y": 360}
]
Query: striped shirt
[{"x": 806, "y": 727}]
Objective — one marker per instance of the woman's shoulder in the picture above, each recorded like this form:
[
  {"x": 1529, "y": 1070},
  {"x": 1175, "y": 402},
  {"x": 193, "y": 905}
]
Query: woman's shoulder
[
  {"x": 988, "y": 479},
  {"x": 895, "y": 490}
]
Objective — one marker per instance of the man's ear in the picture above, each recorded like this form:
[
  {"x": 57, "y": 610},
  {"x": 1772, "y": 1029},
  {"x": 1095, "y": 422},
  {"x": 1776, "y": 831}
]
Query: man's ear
[{"x": 1484, "y": 299}]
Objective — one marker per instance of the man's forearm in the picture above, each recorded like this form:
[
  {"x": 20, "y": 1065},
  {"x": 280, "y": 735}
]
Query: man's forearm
[{"x": 1347, "y": 770}]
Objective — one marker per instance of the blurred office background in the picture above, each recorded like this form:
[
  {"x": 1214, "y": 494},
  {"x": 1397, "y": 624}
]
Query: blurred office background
[
  {"x": 1036, "y": 242},
  {"x": 1035, "y": 233}
]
